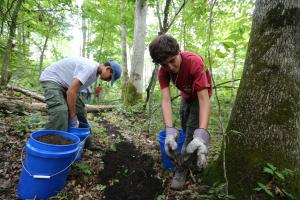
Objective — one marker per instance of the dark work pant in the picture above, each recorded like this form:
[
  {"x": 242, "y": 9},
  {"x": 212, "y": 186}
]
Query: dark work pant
[
  {"x": 56, "y": 100},
  {"x": 189, "y": 116}
]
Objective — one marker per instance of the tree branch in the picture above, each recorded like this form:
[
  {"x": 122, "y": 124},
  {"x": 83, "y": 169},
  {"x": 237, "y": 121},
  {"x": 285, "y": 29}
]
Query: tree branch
[
  {"x": 166, "y": 15},
  {"x": 158, "y": 16},
  {"x": 177, "y": 13},
  {"x": 231, "y": 81}
]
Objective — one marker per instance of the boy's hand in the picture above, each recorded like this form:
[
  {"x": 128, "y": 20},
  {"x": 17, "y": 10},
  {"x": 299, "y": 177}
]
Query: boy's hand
[
  {"x": 201, "y": 138},
  {"x": 170, "y": 143}
]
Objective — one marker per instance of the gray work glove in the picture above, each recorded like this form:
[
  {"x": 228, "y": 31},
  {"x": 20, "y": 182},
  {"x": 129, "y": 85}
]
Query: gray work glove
[
  {"x": 73, "y": 122},
  {"x": 172, "y": 135},
  {"x": 200, "y": 140}
]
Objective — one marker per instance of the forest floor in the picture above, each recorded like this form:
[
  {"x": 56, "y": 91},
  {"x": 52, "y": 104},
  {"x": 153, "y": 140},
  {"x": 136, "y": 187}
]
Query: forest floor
[{"x": 129, "y": 167}]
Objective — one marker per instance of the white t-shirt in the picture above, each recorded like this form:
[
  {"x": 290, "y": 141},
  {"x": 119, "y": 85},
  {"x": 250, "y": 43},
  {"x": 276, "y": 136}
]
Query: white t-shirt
[{"x": 68, "y": 69}]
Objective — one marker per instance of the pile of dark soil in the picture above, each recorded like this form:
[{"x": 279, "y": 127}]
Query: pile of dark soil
[
  {"x": 128, "y": 174},
  {"x": 54, "y": 139}
]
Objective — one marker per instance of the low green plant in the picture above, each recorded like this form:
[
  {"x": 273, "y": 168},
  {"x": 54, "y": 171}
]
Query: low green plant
[
  {"x": 62, "y": 195},
  {"x": 29, "y": 123},
  {"x": 275, "y": 186},
  {"x": 217, "y": 191},
  {"x": 100, "y": 187},
  {"x": 84, "y": 167},
  {"x": 36, "y": 121},
  {"x": 21, "y": 127},
  {"x": 113, "y": 147},
  {"x": 161, "y": 197}
]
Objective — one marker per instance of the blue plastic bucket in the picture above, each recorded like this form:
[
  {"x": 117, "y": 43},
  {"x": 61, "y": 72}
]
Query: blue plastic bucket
[
  {"x": 46, "y": 166},
  {"x": 82, "y": 132},
  {"x": 167, "y": 163}
]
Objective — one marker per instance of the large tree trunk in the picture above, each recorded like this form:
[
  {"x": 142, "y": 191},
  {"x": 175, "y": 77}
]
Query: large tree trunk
[
  {"x": 124, "y": 49},
  {"x": 135, "y": 85},
  {"x": 265, "y": 122},
  {"x": 7, "y": 54}
]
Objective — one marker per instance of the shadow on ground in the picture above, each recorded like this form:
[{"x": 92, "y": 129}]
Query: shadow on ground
[{"x": 129, "y": 174}]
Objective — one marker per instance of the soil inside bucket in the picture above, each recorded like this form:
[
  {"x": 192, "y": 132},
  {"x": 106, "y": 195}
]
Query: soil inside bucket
[
  {"x": 129, "y": 174},
  {"x": 54, "y": 139}
]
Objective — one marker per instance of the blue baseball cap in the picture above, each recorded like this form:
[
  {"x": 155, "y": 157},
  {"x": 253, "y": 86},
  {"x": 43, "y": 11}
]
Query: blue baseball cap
[{"x": 117, "y": 71}]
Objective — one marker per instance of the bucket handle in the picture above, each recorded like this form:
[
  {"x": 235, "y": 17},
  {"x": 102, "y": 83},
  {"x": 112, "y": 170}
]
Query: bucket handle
[{"x": 48, "y": 176}]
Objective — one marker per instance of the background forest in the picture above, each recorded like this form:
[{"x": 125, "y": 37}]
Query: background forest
[
  {"x": 43, "y": 32},
  {"x": 36, "y": 33}
]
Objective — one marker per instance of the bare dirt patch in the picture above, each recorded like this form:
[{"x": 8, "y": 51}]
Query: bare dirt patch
[{"x": 129, "y": 174}]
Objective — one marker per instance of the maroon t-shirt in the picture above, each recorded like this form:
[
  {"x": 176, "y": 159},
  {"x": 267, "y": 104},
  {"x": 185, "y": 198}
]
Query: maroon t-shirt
[{"x": 192, "y": 76}]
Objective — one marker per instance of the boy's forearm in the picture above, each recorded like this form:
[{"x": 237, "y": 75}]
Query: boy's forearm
[
  {"x": 71, "y": 101},
  {"x": 204, "y": 108},
  {"x": 167, "y": 113},
  {"x": 72, "y": 93}
]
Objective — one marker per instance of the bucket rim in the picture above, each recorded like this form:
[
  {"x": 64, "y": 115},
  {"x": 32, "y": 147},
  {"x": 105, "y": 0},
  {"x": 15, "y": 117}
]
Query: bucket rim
[
  {"x": 86, "y": 127},
  {"x": 162, "y": 135}
]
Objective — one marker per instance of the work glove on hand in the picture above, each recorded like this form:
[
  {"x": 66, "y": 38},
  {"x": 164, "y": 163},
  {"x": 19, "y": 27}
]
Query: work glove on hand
[
  {"x": 170, "y": 143},
  {"x": 73, "y": 122},
  {"x": 200, "y": 140}
]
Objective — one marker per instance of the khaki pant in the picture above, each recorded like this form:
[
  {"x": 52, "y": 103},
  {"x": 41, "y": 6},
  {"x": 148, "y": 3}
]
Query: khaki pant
[{"x": 56, "y": 100}]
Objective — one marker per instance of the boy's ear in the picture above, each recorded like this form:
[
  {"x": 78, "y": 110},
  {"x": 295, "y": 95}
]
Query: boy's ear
[{"x": 108, "y": 68}]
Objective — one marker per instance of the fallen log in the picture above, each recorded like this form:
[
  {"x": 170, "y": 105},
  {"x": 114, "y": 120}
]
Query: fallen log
[
  {"x": 26, "y": 92},
  {"x": 36, "y": 96},
  {"x": 18, "y": 106}
]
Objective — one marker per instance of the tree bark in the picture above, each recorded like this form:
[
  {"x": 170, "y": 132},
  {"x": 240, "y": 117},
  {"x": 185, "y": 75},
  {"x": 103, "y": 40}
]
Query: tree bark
[
  {"x": 135, "y": 87},
  {"x": 7, "y": 55},
  {"x": 264, "y": 125}
]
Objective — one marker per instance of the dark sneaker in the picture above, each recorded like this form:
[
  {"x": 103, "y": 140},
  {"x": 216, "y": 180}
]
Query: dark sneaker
[
  {"x": 178, "y": 180},
  {"x": 90, "y": 145}
]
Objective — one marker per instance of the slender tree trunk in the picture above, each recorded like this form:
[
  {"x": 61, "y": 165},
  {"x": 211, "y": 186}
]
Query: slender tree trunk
[
  {"x": 102, "y": 40},
  {"x": 20, "y": 55},
  {"x": 88, "y": 51},
  {"x": 124, "y": 49},
  {"x": 135, "y": 86},
  {"x": 264, "y": 126},
  {"x": 7, "y": 54},
  {"x": 5, "y": 12},
  {"x": 84, "y": 30},
  {"x": 43, "y": 54}
]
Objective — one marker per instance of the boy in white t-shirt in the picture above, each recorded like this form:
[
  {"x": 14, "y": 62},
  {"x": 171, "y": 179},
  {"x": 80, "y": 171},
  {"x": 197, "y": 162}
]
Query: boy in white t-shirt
[{"x": 62, "y": 82}]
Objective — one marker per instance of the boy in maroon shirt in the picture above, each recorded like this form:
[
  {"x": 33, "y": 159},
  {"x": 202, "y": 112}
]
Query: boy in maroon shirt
[{"x": 187, "y": 72}]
